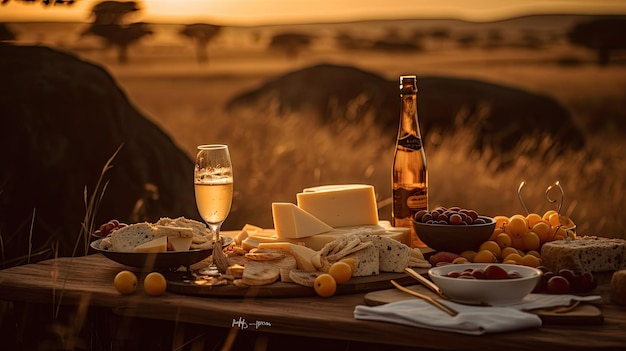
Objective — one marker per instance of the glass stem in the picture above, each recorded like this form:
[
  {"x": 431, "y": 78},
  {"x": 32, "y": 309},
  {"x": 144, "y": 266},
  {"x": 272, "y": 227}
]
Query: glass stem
[{"x": 215, "y": 228}]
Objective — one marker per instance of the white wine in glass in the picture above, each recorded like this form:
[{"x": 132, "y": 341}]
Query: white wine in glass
[{"x": 213, "y": 183}]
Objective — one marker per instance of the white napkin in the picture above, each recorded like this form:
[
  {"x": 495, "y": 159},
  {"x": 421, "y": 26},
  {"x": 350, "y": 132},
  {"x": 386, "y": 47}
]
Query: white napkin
[{"x": 473, "y": 320}]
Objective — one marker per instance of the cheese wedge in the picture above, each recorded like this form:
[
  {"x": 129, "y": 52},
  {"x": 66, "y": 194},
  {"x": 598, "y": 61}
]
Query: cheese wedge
[
  {"x": 279, "y": 245},
  {"x": 367, "y": 262},
  {"x": 157, "y": 245},
  {"x": 341, "y": 205},
  {"x": 317, "y": 242},
  {"x": 293, "y": 222},
  {"x": 303, "y": 257},
  {"x": 179, "y": 243}
]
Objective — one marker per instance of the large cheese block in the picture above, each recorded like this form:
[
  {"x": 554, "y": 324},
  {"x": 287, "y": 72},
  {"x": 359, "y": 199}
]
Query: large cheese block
[
  {"x": 586, "y": 253},
  {"x": 290, "y": 221},
  {"x": 317, "y": 242},
  {"x": 341, "y": 205}
]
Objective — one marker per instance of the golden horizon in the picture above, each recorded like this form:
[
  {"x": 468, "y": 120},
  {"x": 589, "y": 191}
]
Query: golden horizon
[{"x": 253, "y": 12}]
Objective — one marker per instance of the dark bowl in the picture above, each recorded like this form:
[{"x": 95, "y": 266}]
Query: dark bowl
[
  {"x": 454, "y": 238},
  {"x": 160, "y": 260}
]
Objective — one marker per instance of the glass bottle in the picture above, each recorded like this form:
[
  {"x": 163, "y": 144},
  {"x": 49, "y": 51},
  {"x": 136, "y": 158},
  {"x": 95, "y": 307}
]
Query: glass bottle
[{"x": 409, "y": 175}]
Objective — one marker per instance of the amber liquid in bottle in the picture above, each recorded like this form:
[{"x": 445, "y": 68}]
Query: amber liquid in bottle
[{"x": 409, "y": 175}]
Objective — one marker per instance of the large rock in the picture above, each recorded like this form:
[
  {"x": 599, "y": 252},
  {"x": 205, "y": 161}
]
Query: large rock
[
  {"x": 503, "y": 118},
  {"x": 62, "y": 119}
]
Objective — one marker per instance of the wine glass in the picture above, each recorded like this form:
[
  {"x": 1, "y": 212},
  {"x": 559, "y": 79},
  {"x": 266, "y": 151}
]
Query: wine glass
[{"x": 213, "y": 183}]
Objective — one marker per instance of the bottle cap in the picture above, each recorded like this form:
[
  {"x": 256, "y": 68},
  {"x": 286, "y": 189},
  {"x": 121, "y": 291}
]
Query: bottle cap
[{"x": 408, "y": 84}]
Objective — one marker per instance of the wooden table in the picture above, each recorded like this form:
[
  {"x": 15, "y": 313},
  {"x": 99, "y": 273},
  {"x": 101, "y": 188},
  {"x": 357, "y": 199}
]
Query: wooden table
[{"x": 81, "y": 288}]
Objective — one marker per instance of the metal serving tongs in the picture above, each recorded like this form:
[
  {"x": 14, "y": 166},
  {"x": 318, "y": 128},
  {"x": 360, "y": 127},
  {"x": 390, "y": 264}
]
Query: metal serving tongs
[
  {"x": 556, "y": 184},
  {"x": 427, "y": 298},
  {"x": 427, "y": 283}
]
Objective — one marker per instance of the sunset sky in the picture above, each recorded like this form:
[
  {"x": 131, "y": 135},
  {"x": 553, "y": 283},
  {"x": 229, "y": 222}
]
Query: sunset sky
[{"x": 290, "y": 11}]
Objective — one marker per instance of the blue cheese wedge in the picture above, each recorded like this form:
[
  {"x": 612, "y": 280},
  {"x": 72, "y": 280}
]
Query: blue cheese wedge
[
  {"x": 393, "y": 255},
  {"x": 367, "y": 262}
]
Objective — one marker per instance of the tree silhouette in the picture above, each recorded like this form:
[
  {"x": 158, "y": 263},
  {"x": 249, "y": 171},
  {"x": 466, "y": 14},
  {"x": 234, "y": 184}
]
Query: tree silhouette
[
  {"x": 113, "y": 12},
  {"x": 109, "y": 24},
  {"x": 201, "y": 34},
  {"x": 291, "y": 44},
  {"x": 602, "y": 35},
  {"x": 45, "y": 2}
]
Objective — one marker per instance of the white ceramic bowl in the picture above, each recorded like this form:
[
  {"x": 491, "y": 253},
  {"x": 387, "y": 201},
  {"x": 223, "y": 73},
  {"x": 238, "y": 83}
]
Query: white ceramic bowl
[{"x": 482, "y": 291}]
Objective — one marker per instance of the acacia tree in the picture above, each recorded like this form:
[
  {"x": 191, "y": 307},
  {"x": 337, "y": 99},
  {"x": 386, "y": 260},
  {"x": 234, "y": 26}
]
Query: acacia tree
[
  {"x": 45, "y": 2},
  {"x": 109, "y": 23},
  {"x": 602, "y": 35},
  {"x": 201, "y": 34},
  {"x": 291, "y": 44}
]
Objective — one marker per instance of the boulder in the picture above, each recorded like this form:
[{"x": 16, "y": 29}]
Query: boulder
[
  {"x": 62, "y": 120},
  {"x": 503, "y": 118}
]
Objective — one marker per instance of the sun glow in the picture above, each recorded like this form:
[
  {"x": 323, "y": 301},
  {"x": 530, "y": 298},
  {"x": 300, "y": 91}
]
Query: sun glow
[{"x": 290, "y": 11}]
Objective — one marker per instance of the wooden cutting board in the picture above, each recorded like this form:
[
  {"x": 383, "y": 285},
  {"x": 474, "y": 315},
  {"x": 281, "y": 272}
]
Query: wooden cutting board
[
  {"x": 182, "y": 283},
  {"x": 585, "y": 314}
]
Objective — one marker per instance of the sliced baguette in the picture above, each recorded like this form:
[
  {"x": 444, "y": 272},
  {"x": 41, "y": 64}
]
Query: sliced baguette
[{"x": 259, "y": 273}]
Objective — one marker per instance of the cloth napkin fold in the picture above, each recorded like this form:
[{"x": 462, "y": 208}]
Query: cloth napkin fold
[{"x": 472, "y": 320}]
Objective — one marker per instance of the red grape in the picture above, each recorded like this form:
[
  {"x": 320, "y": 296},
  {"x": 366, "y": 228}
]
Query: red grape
[{"x": 558, "y": 285}]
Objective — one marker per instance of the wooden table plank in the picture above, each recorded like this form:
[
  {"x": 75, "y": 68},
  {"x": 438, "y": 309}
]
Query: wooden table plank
[{"x": 89, "y": 281}]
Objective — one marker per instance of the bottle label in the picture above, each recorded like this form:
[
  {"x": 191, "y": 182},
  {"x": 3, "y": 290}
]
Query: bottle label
[
  {"x": 410, "y": 142},
  {"x": 406, "y": 202}
]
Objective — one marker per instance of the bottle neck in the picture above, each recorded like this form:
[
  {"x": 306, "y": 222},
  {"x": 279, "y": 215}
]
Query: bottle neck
[{"x": 408, "y": 116}]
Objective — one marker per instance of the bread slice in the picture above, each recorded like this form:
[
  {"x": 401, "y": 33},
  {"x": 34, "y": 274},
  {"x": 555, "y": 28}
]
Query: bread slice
[
  {"x": 260, "y": 273},
  {"x": 201, "y": 237},
  {"x": 127, "y": 238},
  {"x": 585, "y": 253}
]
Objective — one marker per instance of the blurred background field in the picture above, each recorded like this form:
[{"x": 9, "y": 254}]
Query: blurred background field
[{"x": 276, "y": 157}]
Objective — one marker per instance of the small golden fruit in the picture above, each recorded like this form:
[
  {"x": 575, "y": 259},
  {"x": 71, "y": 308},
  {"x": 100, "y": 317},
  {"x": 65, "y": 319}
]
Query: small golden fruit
[
  {"x": 125, "y": 282},
  {"x": 543, "y": 230},
  {"x": 154, "y": 284},
  {"x": 485, "y": 256},
  {"x": 515, "y": 257},
  {"x": 341, "y": 271},
  {"x": 460, "y": 259},
  {"x": 469, "y": 255},
  {"x": 534, "y": 253},
  {"x": 509, "y": 250},
  {"x": 549, "y": 213},
  {"x": 325, "y": 285},
  {"x": 533, "y": 219},
  {"x": 501, "y": 221},
  {"x": 530, "y": 261},
  {"x": 531, "y": 241},
  {"x": 504, "y": 240},
  {"x": 491, "y": 246},
  {"x": 518, "y": 226},
  {"x": 350, "y": 261},
  {"x": 554, "y": 220},
  {"x": 518, "y": 243}
]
